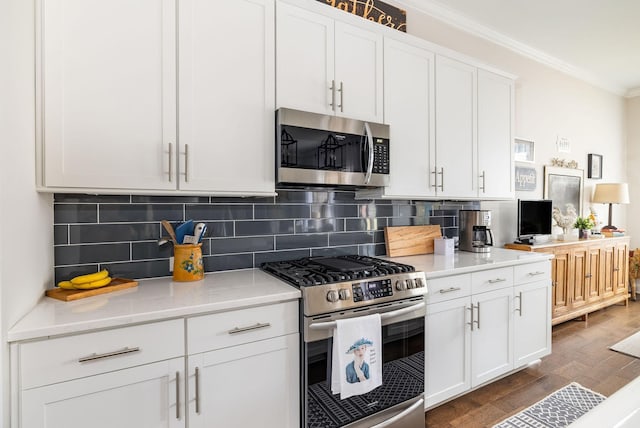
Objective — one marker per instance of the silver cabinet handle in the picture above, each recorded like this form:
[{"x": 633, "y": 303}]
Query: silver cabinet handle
[
  {"x": 588, "y": 275},
  {"x": 170, "y": 163},
  {"x": 197, "y": 386},
  {"x": 441, "y": 173},
  {"x": 494, "y": 281},
  {"x": 435, "y": 179},
  {"x": 471, "y": 323},
  {"x": 384, "y": 316},
  {"x": 178, "y": 395},
  {"x": 95, "y": 356},
  {"x": 341, "y": 98},
  {"x": 484, "y": 182},
  {"x": 367, "y": 130},
  {"x": 478, "y": 320},
  {"x": 616, "y": 269},
  {"x": 449, "y": 290},
  {"x": 256, "y": 326},
  {"x": 186, "y": 163},
  {"x": 519, "y": 297},
  {"x": 392, "y": 421},
  {"x": 332, "y": 88},
  {"x": 536, "y": 273}
]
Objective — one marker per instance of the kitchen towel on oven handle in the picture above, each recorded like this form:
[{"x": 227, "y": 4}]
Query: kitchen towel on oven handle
[{"x": 356, "y": 363}]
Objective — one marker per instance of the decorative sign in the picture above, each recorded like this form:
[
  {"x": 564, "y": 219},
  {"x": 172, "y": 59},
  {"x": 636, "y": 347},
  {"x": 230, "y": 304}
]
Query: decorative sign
[
  {"x": 373, "y": 10},
  {"x": 563, "y": 145},
  {"x": 526, "y": 178}
]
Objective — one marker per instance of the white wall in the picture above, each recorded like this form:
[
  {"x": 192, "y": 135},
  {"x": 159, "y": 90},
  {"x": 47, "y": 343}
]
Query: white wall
[
  {"x": 26, "y": 217},
  {"x": 548, "y": 104},
  {"x": 633, "y": 159}
]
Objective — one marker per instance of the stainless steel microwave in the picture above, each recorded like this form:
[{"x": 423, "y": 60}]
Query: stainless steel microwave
[{"x": 316, "y": 149}]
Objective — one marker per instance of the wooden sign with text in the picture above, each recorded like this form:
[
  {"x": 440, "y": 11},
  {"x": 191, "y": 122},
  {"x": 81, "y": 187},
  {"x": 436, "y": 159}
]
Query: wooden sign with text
[{"x": 373, "y": 10}]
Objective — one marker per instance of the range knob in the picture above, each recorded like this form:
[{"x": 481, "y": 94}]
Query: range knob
[
  {"x": 345, "y": 294},
  {"x": 400, "y": 285},
  {"x": 333, "y": 296},
  {"x": 419, "y": 283},
  {"x": 410, "y": 283}
]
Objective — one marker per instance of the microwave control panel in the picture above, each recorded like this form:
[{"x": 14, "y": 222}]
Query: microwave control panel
[{"x": 380, "y": 156}]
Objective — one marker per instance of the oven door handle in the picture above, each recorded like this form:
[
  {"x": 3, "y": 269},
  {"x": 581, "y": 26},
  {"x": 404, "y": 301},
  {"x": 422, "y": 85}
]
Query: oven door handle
[
  {"x": 391, "y": 421},
  {"x": 384, "y": 316}
]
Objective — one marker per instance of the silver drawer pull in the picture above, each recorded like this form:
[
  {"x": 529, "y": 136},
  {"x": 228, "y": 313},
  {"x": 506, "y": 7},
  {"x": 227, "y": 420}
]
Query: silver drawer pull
[
  {"x": 256, "y": 326},
  {"x": 536, "y": 273},
  {"x": 493, "y": 281},
  {"x": 449, "y": 290},
  {"x": 95, "y": 356}
]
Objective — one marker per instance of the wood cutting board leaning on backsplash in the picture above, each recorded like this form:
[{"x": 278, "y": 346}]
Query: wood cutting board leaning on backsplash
[{"x": 410, "y": 240}]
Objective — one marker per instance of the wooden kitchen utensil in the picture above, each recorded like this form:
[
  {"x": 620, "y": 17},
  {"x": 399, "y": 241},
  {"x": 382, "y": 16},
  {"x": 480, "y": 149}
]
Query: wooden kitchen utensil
[
  {"x": 410, "y": 240},
  {"x": 167, "y": 226},
  {"x": 68, "y": 295}
]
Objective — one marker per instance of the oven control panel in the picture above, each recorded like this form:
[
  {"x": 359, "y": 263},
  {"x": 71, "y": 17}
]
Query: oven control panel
[{"x": 370, "y": 290}]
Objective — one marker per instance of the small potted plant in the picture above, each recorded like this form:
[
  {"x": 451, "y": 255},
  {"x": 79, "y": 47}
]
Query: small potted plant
[{"x": 584, "y": 225}]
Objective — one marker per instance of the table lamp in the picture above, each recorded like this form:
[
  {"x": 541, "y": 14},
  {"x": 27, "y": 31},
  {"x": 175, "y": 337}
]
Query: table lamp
[{"x": 611, "y": 193}]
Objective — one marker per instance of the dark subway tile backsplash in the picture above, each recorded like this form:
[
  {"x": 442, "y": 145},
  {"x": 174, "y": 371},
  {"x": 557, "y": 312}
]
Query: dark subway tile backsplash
[{"x": 121, "y": 232}]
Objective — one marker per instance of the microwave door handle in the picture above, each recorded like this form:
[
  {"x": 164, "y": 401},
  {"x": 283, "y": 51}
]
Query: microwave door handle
[
  {"x": 367, "y": 130},
  {"x": 384, "y": 316}
]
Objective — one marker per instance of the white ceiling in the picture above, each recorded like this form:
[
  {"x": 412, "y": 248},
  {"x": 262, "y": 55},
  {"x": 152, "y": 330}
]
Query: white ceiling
[{"x": 595, "y": 40}]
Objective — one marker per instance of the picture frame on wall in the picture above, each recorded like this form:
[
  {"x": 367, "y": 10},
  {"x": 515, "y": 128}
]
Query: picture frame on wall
[
  {"x": 564, "y": 186},
  {"x": 524, "y": 150},
  {"x": 594, "y": 167}
]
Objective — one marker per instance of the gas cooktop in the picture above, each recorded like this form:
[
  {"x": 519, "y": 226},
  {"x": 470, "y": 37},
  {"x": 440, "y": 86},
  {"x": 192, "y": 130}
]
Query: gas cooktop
[{"x": 341, "y": 282}]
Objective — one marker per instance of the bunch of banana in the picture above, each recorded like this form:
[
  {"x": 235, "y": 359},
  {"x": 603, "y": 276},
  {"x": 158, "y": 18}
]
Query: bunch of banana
[{"x": 87, "y": 282}]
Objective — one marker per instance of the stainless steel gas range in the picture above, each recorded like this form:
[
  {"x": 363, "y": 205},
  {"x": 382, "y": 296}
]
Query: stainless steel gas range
[{"x": 350, "y": 286}]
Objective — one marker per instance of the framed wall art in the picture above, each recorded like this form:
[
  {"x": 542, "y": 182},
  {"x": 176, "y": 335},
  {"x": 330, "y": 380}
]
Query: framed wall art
[
  {"x": 594, "y": 167},
  {"x": 524, "y": 150},
  {"x": 564, "y": 186}
]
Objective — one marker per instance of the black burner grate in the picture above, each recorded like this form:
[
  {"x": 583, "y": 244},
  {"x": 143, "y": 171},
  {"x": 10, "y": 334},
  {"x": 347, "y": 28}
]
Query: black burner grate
[{"x": 312, "y": 271}]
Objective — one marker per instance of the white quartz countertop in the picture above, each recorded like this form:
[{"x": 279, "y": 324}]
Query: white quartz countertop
[
  {"x": 435, "y": 266},
  {"x": 161, "y": 298},
  {"x": 152, "y": 300}
]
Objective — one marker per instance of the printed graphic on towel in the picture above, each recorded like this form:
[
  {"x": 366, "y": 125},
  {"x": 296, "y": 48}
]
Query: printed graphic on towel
[{"x": 358, "y": 369}]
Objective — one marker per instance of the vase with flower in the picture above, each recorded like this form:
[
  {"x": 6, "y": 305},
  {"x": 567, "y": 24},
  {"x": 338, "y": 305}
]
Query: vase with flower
[{"x": 584, "y": 225}]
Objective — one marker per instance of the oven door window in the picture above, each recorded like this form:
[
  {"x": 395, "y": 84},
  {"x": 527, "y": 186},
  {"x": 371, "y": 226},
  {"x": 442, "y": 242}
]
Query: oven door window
[{"x": 402, "y": 377}]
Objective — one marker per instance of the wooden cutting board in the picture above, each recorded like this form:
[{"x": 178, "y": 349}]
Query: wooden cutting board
[
  {"x": 68, "y": 295},
  {"x": 410, "y": 240}
]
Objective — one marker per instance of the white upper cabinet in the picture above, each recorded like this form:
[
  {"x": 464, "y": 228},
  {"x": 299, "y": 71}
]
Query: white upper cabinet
[
  {"x": 109, "y": 90},
  {"x": 327, "y": 66},
  {"x": 106, "y": 89},
  {"x": 456, "y": 145},
  {"x": 495, "y": 136},
  {"x": 226, "y": 96},
  {"x": 408, "y": 109}
]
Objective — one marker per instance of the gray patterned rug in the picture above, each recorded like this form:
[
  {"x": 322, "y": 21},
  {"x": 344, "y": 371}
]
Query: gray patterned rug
[{"x": 557, "y": 410}]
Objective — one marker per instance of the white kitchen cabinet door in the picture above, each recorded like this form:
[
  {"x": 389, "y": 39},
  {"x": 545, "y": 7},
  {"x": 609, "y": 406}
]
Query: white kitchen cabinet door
[
  {"x": 408, "y": 109},
  {"x": 358, "y": 73},
  {"x": 143, "y": 396},
  {"x": 532, "y": 322},
  {"x": 456, "y": 145},
  {"x": 251, "y": 385},
  {"x": 328, "y": 67},
  {"x": 492, "y": 335},
  {"x": 447, "y": 350},
  {"x": 106, "y": 89},
  {"x": 227, "y": 96},
  {"x": 495, "y": 136},
  {"x": 305, "y": 60}
]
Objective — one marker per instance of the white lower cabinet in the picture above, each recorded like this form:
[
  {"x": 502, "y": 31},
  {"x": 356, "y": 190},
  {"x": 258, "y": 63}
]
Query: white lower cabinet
[
  {"x": 250, "y": 385},
  {"x": 144, "y": 396},
  {"x": 483, "y": 325}
]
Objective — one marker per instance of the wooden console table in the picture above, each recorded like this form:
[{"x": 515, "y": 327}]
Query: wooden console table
[{"x": 587, "y": 274}]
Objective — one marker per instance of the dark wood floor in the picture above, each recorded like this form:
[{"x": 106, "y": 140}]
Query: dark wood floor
[{"x": 579, "y": 354}]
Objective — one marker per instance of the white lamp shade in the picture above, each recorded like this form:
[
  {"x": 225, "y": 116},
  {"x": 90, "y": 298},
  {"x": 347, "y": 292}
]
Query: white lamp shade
[{"x": 611, "y": 193}]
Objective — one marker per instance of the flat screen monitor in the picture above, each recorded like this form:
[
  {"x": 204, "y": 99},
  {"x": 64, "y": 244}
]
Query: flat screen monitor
[{"x": 534, "y": 217}]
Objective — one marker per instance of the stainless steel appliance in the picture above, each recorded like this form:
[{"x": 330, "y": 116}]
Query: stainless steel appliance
[
  {"x": 475, "y": 232},
  {"x": 316, "y": 149},
  {"x": 350, "y": 286}
]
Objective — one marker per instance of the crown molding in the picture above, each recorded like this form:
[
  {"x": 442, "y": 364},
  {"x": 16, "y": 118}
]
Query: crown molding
[
  {"x": 631, "y": 93},
  {"x": 470, "y": 26}
]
